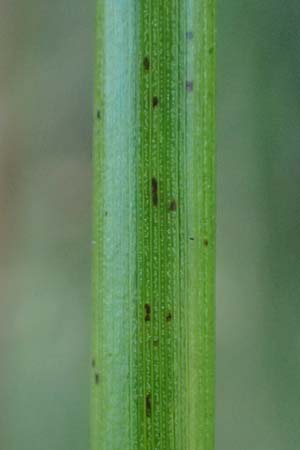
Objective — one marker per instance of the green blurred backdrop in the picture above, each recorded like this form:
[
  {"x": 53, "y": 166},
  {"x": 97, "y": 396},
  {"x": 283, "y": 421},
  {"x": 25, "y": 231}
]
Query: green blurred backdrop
[{"x": 46, "y": 80}]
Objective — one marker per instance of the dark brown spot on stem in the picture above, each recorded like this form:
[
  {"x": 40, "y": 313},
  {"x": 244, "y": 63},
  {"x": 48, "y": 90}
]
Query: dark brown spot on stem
[
  {"x": 148, "y": 405},
  {"x": 147, "y": 312},
  {"x": 205, "y": 242},
  {"x": 146, "y": 63},
  {"x": 173, "y": 205},
  {"x": 168, "y": 317},
  {"x": 97, "y": 378},
  {"x": 154, "y": 187},
  {"x": 155, "y": 102}
]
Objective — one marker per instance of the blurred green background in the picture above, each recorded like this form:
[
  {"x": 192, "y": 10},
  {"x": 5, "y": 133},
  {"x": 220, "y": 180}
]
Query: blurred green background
[{"x": 46, "y": 79}]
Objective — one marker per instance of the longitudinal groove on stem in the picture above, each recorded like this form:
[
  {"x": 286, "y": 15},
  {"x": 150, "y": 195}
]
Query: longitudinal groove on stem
[{"x": 154, "y": 226}]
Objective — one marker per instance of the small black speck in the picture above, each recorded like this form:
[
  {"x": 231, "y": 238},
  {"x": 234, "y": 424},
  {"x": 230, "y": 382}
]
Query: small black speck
[
  {"x": 155, "y": 102},
  {"x": 98, "y": 114},
  {"x": 189, "y": 86},
  {"x": 97, "y": 378},
  {"x": 146, "y": 63},
  {"x": 93, "y": 362},
  {"x": 205, "y": 242},
  {"x": 192, "y": 238}
]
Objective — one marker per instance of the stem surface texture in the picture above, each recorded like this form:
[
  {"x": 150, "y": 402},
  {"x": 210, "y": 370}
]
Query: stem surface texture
[{"x": 153, "y": 356}]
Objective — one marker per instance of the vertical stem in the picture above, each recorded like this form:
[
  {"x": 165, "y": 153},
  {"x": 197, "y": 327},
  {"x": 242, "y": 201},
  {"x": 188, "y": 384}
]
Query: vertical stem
[{"x": 154, "y": 226}]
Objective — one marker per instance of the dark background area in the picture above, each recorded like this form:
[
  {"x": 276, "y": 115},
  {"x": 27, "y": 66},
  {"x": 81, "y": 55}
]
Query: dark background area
[{"x": 46, "y": 84}]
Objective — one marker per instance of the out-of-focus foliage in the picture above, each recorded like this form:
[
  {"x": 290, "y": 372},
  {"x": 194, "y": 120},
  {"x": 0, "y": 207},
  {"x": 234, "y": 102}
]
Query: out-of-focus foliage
[
  {"x": 45, "y": 208},
  {"x": 46, "y": 74},
  {"x": 258, "y": 364}
]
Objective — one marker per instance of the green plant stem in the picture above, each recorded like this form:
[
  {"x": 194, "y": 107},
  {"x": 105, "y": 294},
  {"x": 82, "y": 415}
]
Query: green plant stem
[{"x": 154, "y": 226}]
